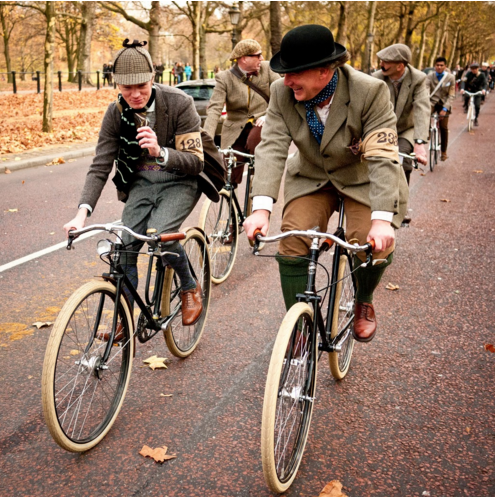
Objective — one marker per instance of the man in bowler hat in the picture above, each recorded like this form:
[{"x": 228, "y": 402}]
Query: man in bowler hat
[
  {"x": 410, "y": 98},
  {"x": 337, "y": 117}
]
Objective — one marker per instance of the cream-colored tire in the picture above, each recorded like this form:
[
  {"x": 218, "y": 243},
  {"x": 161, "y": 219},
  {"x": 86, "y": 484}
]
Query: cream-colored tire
[
  {"x": 81, "y": 395},
  {"x": 289, "y": 398}
]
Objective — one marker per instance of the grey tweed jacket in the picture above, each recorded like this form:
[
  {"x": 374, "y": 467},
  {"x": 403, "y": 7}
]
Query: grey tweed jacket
[{"x": 175, "y": 115}]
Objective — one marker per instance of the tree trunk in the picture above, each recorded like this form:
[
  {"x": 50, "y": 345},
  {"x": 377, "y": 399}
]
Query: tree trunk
[
  {"x": 452, "y": 61},
  {"x": 342, "y": 28},
  {"x": 48, "y": 66},
  {"x": 422, "y": 44},
  {"x": 434, "y": 49},
  {"x": 368, "y": 52},
  {"x": 6, "y": 45},
  {"x": 399, "y": 37},
  {"x": 196, "y": 25},
  {"x": 410, "y": 23},
  {"x": 85, "y": 36},
  {"x": 443, "y": 35},
  {"x": 275, "y": 27},
  {"x": 154, "y": 32},
  {"x": 202, "y": 50}
]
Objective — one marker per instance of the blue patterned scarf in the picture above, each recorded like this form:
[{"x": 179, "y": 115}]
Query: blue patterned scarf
[{"x": 314, "y": 123}]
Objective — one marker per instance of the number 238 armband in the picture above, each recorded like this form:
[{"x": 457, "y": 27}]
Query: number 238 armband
[
  {"x": 381, "y": 143},
  {"x": 190, "y": 142}
]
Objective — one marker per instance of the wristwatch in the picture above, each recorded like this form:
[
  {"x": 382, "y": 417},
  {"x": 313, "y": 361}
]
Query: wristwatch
[
  {"x": 162, "y": 159},
  {"x": 420, "y": 141}
]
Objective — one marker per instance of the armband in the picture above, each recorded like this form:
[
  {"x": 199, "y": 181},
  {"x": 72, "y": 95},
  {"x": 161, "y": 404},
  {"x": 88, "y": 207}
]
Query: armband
[
  {"x": 190, "y": 142},
  {"x": 381, "y": 143}
]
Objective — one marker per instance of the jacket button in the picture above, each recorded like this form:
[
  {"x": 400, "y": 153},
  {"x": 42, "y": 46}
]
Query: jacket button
[{"x": 318, "y": 184}]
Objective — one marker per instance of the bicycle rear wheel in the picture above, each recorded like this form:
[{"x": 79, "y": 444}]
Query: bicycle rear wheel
[
  {"x": 343, "y": 319},
  {"x": 219, "y": 222},
  {"x": 183, "y": 339},
  {"x": 289, "y": 398},
  {"x": 82, "y": 395}
]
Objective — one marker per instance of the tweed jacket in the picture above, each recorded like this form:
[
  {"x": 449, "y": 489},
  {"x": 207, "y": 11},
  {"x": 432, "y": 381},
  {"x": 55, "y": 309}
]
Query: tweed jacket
[
  {"x": 360, "y": 108},
  {"x": 242, "y": 102},
  {"x": 412, "y": 107},
  {"x": 445, "y": 95},
  {"x": 175, "y": 115}
]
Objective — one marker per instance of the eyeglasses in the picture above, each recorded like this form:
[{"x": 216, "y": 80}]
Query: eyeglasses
[{"x": 254, "y": 55}]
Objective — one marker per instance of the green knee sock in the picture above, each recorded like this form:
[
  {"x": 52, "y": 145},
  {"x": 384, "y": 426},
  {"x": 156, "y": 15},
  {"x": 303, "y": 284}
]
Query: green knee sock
[
  {"x": 293, "y": 277},
  {"x": 368, "y": 278}
]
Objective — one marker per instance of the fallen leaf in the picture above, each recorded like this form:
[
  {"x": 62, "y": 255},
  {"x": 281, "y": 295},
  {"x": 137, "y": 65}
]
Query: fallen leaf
[
  {"x": 13, "y": 210},
  {"x": 155, "y": 362},
  {"x": 57, "y": 160},
  {"x": 478, "y": 171},
  {"x": 7, "y": 171},
  {"x": 166, "y": 395},
  {"x": 391, "y": 286},
  {"x": 158, "y": 454},
  {"x": 23, "y": 182},
  {"x": 490, "y": 347},
  {"x": 40, "y": 325},
  {"x": 444, "y": 200},
  {"x": 52, "y": 233},
  {"x": 333, "y": 488},
  {"x": 74, "y": 352},
  {"x": 468, "y": 430}
]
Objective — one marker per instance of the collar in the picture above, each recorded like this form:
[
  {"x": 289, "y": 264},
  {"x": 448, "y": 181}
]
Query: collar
[{"x": 439, "y": 75}]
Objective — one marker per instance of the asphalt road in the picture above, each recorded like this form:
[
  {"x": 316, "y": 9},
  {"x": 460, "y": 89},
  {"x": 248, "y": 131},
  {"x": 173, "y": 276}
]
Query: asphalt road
[{"x": 414, "y": 417}]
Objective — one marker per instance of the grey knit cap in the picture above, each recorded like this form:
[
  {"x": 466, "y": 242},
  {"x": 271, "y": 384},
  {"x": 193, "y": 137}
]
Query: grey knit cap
[
  {"x": 395, "y": 53},
  {"x": 245, "y": 47},
  {"x": 133, "y": 64}
]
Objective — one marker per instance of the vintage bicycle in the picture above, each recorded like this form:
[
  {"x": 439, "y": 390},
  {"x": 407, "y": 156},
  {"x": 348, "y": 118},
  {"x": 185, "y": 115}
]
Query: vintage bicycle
[
  {"x": 471, "y": 109},
  {"x": 320, "y": 322},
  {"x": 88, "y": 359},
  {"x": 222, "y": 221},
  {"x": 434, "y": 144}
]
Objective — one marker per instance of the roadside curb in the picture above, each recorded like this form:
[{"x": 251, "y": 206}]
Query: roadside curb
[{"x": 42, "y": 158}]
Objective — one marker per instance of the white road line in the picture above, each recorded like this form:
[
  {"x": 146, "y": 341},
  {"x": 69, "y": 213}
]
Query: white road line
[{"x": 48, "y": 250}]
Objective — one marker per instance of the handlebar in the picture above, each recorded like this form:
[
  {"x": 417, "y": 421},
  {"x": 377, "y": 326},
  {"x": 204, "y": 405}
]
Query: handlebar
[
  {"x": 479, "y": 92},
  {"x": 369, "y": 246},
  {"x": 411, "y": 156},
  {"x": 229, "y": 151},
  {"x": 115, "y": 228}
]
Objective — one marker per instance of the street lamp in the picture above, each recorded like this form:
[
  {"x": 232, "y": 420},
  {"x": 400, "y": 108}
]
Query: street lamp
[
  {"x": 369, "y": 39},
  {"x": 234, "y": 14}
]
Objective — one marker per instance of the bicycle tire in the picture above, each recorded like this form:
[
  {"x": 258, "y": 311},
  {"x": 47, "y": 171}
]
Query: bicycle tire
[
  {"x": 222, "y": 231},
  {"x": 181, "y": 339},
  {"x": 249, "y": 211},
  {"x": 470, "y": 118},
  {"x": 81, "y": 401},
  {"x": 436, "y": 145},
  {"x": 432, "y": 150},
  {"x": 343, "y": 319},
  {"x": 291, "y": 383}
]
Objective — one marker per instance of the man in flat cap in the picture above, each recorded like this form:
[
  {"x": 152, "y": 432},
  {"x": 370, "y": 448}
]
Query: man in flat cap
[
  {"x": 410, "y": 98},
  {"x": 473, "y": 81},
  {"x": 344, "y": 127},
  {"x": 245, "y": 90}
]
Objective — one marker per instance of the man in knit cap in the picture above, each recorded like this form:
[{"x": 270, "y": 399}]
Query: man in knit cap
[
  {"x": 152, "y": 133},
  {"x": 245, "y": 89}
]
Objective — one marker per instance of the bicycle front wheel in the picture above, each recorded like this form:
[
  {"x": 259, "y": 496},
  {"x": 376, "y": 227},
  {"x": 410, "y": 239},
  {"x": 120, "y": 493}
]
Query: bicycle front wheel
[
  {"x": 343, "y": 319},
  {"x": 289, "y": 397},
  {"x": 81, "y": 394},
  {"x": 219, "y": 222},
  {"x": 249, "y": 210},
  {"x": 183, "y": 339},
  {"x": 470, "y": 118},
  {"x": 432, "y": 158}
]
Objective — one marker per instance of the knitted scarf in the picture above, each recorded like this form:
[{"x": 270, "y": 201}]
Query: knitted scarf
[
  {"x": 129, "y": 149},
  {"x": 314, "y": 123}
]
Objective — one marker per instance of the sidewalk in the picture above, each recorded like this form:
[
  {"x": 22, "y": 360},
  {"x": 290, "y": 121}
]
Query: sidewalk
[{"x": 44, "y": 155}]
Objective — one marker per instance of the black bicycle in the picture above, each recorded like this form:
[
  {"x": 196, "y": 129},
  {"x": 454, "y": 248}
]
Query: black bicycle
[
  {"x": 89, "y": 355},
  {"x": 222, "y": 221},
  {"x": 321, "y": 321}
]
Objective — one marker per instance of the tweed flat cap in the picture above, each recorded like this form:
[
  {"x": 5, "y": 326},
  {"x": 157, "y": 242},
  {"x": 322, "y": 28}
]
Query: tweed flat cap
[
  {"x": 132, "y": 64},
  {"x": 245, "y": 47},
  {"x": 395, "y": 53},
  {"x": 474, "y": 64}
]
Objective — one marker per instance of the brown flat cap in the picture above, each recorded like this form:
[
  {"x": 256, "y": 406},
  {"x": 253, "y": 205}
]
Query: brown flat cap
[
  {"x": 395, "y": 53},
  {"x": 245, "y": 47}
]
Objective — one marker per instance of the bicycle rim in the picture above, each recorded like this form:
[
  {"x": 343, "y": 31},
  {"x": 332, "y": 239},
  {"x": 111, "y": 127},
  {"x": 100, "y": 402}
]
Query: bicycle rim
[
  {"x": 181, "y": 339},
  {"x": 289, "y": 398},
  {"x": 82, "y": 396}
]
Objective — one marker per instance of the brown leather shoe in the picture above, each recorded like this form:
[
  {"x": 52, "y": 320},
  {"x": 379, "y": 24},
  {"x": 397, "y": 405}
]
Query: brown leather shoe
[
  {"x": 364, "y": 322},
  {"x": 444, "y": 156},
  {"x": 105, "y": 336},
  {"x": 192, "y": 305}
]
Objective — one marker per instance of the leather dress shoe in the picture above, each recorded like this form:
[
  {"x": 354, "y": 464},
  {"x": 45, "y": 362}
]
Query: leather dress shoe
[
  {"x": 105, "y": 336},
  {"x": 192, "y": 305},
  {"x": 476, "y": 122},
  {"x": 364, "y": 322},
  {"x": 444, "y": 156}
]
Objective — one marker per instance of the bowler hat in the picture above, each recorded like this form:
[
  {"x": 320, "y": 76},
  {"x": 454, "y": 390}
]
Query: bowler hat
[
  {"x": 395, "y": 53},
  {"x": 306, "y": 47}
]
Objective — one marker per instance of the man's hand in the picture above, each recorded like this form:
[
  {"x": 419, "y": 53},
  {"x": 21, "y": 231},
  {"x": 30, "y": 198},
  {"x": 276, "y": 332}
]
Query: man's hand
[
  {"x": 420, "y": 151},
  {"x": 148, "y": 140},
  {"x": 260, "y": 219},
  {"x": 442, "y": 113},
  {"x": 462, "y": 92},
  {"x": 383, "y": 233},
  {"x": 483, "y": 92},
  {"x": 260, "y": 121},
  {"x": 78, "y": 222}
]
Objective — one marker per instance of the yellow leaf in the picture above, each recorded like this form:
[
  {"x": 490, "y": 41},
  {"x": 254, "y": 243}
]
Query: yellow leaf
[
  {"x": 158, "y": 454},
  {"x": 166, "y": 395},
  {"x": 444, "y": 200},
  {"x": 333, "y": 488},
  {"x": 74, "y": 352},
  {"x": 155, "y": 362},
  {"x": 478, "y": 171},
  {"x": 39, "y": 325},
  {"x": 391, "y": 286},
  {"x": 13, "y": 210}
]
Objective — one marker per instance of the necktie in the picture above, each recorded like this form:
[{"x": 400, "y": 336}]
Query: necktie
[
  {"x": 253, "y": 73},
  {"x": 314, "y": 123},
  {"x": 397, "y": 85}
]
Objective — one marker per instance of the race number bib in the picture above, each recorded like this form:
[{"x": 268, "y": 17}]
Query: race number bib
[
  {"x": 382, "y": 143},
  {"x": 190, "y": 142}
]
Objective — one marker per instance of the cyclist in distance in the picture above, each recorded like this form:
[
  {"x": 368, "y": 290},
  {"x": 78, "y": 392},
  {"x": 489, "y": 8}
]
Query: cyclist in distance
[
  {"x": 441, "y": 84},
  {"x": 245, "y": 90},
  {"x": 152, "y": 133},
  {"x": 344, "y": 127},
  {"x": 473, "y": 81}
]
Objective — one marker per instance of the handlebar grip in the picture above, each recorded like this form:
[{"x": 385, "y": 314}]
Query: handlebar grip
[
  {"x": 372, "y": 244},
  {"x": 167, "y": 237},
  {"x": 257, "y": 233}
]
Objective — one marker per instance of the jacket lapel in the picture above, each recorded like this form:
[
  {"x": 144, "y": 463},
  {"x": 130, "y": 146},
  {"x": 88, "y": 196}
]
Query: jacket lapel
[
  {"x": 161, "y": 114},
  {"x": 403, "y": 94}
]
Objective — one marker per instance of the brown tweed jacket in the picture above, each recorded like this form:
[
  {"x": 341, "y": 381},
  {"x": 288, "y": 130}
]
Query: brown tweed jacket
[
  {"x": 445, "y": 94},
  {"x": 412, "y": 106},
  {"x": 242, "y": 103},
  {"x": 361, "y": 106}
]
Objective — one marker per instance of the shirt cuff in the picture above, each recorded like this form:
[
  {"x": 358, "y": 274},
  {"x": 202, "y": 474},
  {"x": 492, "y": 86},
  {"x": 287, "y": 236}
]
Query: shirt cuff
[
  {"x": 262, "y": 202},
  {"x": 88, "y": 207},
  {"x": 382, "y": 215}
]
